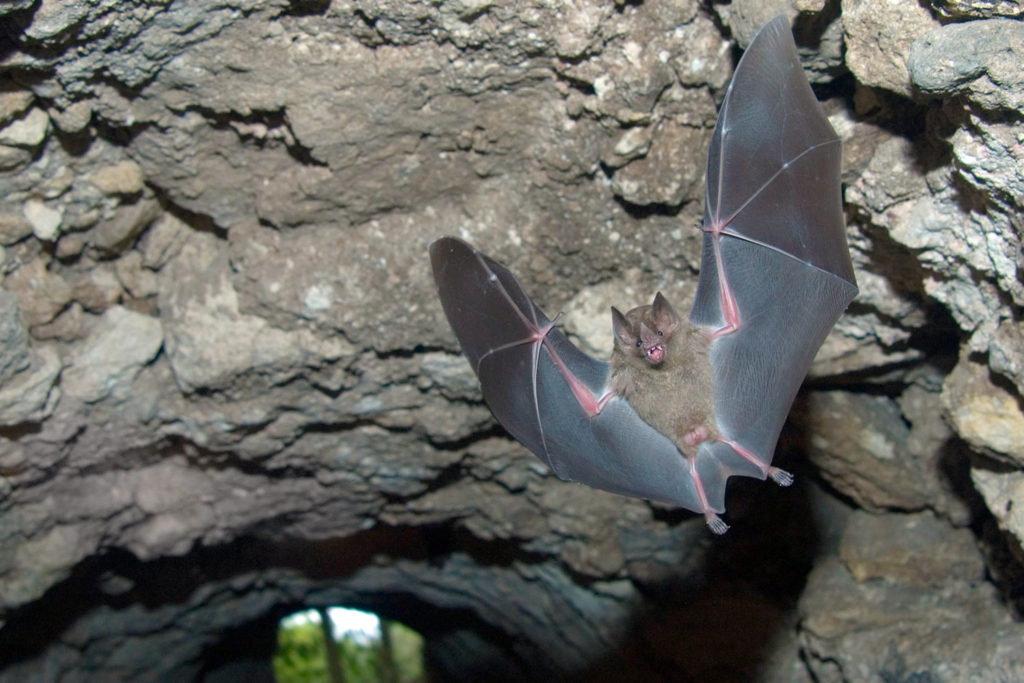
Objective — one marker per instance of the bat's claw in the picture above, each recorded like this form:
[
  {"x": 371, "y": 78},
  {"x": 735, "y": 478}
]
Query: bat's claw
[
  {"x": 780, "y": 477},
  {"x": 715, "y": 523}
]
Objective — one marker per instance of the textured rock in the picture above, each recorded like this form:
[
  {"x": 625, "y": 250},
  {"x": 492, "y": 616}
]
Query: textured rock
[
  {"x": 248, "y": 400},
  {"x": 878, "y": 37},
  {"x": 210, "y": 342},
  {"x": 886, "y": 629},
  {"x": 980, "y": 59},
  {"x": 30, "y": 395},
  {"x": 14, "y": 356},
  {"x": 121, "y": 178},
  {"x": 1001, "y": 490},
  {"x": 988, "y": 416},
  {"x": 980, "y": 8},
  {"x": 29, "y": 131},
  {"x": 44, "y": 220},
  {"x": 110, "y": 358}
]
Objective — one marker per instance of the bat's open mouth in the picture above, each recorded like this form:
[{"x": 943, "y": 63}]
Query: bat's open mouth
[{"x": 656, "y": 354}]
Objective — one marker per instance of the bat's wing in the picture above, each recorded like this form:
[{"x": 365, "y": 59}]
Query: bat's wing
[
  {"x": 545, "y": 391},
  {"x": 775, "y": 252}
]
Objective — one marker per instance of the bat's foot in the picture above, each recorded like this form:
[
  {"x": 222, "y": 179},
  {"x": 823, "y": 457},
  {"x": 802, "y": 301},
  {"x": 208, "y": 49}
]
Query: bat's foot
[
  {"x": 715, "y": 523},
  {"x": 780, "y": 477}
]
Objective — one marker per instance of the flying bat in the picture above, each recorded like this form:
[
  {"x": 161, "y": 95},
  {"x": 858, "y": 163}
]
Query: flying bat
[{"x": 684, "y": 404}]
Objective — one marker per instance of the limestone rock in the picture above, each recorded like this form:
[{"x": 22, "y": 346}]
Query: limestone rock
[
  {"x": 855, "y": 630},
  {"x": 308, "y": 434},
  {"x": 14, "y": 350},
  {"x": 210, "y": 342},
  {"x": 31, "y": 394},
  {"x": 1003, "y": 493},
  {"x": 124, "y": 178},
  {"x": 981, "y": 9},
  {"x": 878, "y": 38},
  {"x": 979, "y": 59},
  {"x": 111, "y": 357},
  {"x": 14, "y": 228},
  {"x": 985, "y": 414},
  {"x": 45, "y": 220},
  {"x": 29, "y": 131},
  {"x": 42, "y": 293}
]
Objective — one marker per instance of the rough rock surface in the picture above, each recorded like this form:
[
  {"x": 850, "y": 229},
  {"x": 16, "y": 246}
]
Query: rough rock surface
[{"x": 227, "y": 391}]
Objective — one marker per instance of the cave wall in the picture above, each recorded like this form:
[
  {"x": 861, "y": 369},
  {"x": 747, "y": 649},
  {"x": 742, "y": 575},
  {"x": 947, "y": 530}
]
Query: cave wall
[{"x": 228, "y": 392}]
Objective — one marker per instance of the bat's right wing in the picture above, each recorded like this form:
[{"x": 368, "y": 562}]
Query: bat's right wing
[{"x": 546, "y": 392}]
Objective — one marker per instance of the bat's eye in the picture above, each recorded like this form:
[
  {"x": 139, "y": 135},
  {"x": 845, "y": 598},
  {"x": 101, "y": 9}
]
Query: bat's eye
[
  {"x": 660, "y": 334},
  {"x": 639, "y": 343}
]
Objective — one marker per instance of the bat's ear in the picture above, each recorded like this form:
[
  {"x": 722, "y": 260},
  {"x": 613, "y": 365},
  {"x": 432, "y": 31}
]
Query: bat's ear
[
  {"x": 664, "y": 315},
  {"x": 620, "y": 326}
]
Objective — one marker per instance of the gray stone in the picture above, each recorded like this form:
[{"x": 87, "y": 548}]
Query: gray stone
[
  {"x": 979, "y": 9},
  {"x": 28, "y": 131},
  {"x": 118, "y": 233},
  {"x": 109, "y": 359},
  {"x": 14, "y": 351},
  {"x": 31, "y": 394},
  {"x": 280, "y": 167},
  {"x": 14, "y": 103},
  {"x": 917, "y": 550},
  {"x": 14, "y": 227},
  {"x": 985, "y": 414},
  {"x": 980, "y": 59},
  {"x": 210, "y": 342},
  {"x": 45, "y": 220},
  {"x": 887, "y": 629},
  {"x": 878, "y": 38}
]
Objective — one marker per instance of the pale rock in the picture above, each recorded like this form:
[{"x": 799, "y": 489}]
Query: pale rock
[
  {"x": 118, "y": 233},
  {"x": 98, "y": 289},
  {"x": 210, "y": 343},
  {"x": 74, "y": 118},
  {"x": 980, "y": 59},
  {"x": 42, "y": 293},
  {"x": 112, "y": 355},
  {"x": 136, "y": 279},
  {"x": 54, "y": 17},
  {"x": 14, "y": 349},
  {"x": 878, "y": 38},
  {"x": 13, "y": 228},
  {"x": 30, "y": 395},
  {"x": 122, "y": 178},
  {"x": 1004, "y": 496},
  {"x": 45, "y": 220},
  {"x": 163, "y": 240},
  {"x": 13, "y": 104},
  {"x": 28, "y": 131},
  {"x": 919, "y": 550},
  {"x": 983, "y": 413}
]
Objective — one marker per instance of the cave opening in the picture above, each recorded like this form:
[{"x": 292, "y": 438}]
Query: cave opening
[{"x": 341, "y": 644}]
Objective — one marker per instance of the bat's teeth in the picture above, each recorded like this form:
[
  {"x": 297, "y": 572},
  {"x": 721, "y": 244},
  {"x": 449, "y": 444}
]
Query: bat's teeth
[{"x": 656, "y": 353}]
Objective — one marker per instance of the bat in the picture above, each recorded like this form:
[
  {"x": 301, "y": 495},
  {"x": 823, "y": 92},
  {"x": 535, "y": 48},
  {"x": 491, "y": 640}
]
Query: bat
[{"x": 684, "y": 404}]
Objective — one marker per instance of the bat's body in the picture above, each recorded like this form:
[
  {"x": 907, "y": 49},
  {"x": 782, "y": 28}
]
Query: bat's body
[{"x": 684, "y": 405}]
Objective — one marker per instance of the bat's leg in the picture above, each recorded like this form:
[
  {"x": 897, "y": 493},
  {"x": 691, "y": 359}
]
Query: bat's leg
[
  {"x": 692, "y": 439},
  {"x": 779, "y": 476},
  {"x": 715, "y": 523}
]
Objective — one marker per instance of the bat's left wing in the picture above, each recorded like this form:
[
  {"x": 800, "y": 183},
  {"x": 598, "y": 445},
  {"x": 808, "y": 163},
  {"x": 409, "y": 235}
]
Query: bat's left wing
[
  {"x": 776, "y": 271},
  {"x": 546, "y": 392}
]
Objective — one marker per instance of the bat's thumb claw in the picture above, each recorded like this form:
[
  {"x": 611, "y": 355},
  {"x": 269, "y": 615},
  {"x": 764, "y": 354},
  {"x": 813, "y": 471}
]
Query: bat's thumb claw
[
  {"x": 715, "y": 523},
  {"x": 780, "y": 477}
]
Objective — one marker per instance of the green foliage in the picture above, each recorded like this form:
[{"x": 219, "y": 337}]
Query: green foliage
[{"x": 301, "y": 657}]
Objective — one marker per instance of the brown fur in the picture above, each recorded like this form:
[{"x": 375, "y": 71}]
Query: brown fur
[{"x": 675, "y": 397}]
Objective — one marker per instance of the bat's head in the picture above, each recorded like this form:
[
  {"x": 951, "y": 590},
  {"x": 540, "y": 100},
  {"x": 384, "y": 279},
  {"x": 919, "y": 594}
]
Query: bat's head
[{"x": 644, "y": 332}]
